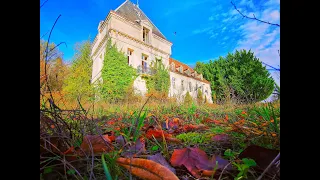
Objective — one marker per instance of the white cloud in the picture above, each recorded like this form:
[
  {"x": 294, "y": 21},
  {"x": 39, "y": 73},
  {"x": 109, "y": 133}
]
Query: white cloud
[
  {"x": 263, "y": 39},
  {"x": 248, "y": 3},
  {"x": 199, "y": 31}
]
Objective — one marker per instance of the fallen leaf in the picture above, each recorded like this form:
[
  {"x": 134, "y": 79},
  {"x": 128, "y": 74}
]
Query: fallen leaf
[
  {"x": 121, "y": 140},
  {"x": 157, "y": 134},
  {"x": 221, "y": 138},
  {"x": 99, "y": 144},
  {"x": 136, "y": 149},
  {"x": 158, "y": 158},
  {"x": 111, "y": 136},
  {"x": 147, "y": 169},
  {"x": 191, "y": 127},
  {"x": 196, "y": 160},
  {"x": 261, "y": 155}
]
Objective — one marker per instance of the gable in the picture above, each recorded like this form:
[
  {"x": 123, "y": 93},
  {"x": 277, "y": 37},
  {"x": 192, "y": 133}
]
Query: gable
[{"x": 133, "y": 13}]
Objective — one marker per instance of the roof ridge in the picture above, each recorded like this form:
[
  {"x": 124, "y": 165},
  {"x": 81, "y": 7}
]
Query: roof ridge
[
  {"x": 121, "y": 4},
  {"x": 183, "y": 63}
]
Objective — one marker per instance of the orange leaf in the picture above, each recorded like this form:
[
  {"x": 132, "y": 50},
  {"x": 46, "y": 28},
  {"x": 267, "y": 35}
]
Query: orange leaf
[
  {"x": 98, "y": 143},
  {"x": 147, "y": 169},
  {"x": 191, "y": 127},
  {"x": 156, "y": 133}
]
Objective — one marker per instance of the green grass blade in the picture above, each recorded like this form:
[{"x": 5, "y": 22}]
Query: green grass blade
[{"x": 105, "y": 168}]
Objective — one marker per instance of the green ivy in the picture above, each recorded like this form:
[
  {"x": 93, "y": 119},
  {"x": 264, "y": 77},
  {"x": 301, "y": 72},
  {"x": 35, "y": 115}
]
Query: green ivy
[
  {"x": 117, "y": 76},
  {"x": 159, "y": 81}
]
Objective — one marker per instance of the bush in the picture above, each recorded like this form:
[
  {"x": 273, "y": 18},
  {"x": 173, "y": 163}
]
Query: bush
[{"x": 188, "y": 99}]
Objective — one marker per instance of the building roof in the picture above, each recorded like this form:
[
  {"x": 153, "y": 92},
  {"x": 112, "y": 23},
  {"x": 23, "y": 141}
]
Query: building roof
[
  {"x": 130, "y": 11},
  {"x": 185, "y": 67}
]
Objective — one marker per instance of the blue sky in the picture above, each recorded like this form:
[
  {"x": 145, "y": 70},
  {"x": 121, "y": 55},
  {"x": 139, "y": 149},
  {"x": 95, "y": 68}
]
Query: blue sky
[{"x": 205, "y": 29}]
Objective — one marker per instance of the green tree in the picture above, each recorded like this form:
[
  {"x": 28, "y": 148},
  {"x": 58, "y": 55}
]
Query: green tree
[
  {"x": 116, "y": 74},
  {"x": 188, "y": 99},
  {"x": 77, "y": 83},
  {"x": 239, "y": 76}
]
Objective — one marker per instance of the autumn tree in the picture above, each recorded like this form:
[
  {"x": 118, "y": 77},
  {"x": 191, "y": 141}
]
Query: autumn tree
[
  {"x": 52, "y": 68},
  {"x": 77, "y": 84}
]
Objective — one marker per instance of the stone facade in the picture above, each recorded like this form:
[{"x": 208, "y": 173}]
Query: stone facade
[{"x": 134, "y": 34}]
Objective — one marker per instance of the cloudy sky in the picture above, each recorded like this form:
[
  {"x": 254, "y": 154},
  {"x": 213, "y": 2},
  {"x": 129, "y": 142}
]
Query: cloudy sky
[{"x": 205, "y": 29}]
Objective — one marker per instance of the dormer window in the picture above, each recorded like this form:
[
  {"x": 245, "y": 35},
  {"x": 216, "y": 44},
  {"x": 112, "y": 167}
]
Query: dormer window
[
  {"x": 145, "y": 35},
  {"x": 172, "y": 67},
  {"x": 188, "y": 72},
  {"x": 181, "y": 69}
]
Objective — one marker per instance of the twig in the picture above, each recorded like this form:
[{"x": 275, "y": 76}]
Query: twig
[
  {"x": 46, "y": 60},
  {"x": 271, "y": 66},
  {"x": 254, "y": 17},
  {"x": 44, "y": 35},
  {"x": 272, "y": 162},
  {"x": 58, "y": 45},
  {"x": 43, "y": 4},
  {"x": 223, "y": 170}
]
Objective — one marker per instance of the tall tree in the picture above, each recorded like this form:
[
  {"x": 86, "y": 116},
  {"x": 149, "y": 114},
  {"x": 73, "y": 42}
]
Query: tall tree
[
  {"x": 77, "y": 83},
  {"x": 239, "y": 76},
  {"x": 52, "y": 67}
]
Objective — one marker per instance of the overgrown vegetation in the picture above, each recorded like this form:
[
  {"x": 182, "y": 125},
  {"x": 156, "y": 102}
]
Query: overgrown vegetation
[
  {"x": 116, "y": 75},
  {"x": 158, "y": 82}
]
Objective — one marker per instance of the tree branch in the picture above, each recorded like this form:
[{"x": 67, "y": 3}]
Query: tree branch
[
  {"x": 271, "y": 66},
  {"x": 46, "y": 59},
  {"x": 254, "y": 17},
  {"x": 43, "y": 4}
]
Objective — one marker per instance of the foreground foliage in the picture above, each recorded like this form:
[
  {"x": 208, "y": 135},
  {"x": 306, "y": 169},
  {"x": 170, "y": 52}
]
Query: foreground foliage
[{"x": 185, "y": 142}]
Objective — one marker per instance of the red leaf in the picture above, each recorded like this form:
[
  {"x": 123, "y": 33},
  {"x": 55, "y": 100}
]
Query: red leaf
[{"x": 195, "y": 160}]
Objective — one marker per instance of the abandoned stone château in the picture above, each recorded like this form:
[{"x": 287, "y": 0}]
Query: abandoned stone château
[{"x": 134, "y": 33}]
